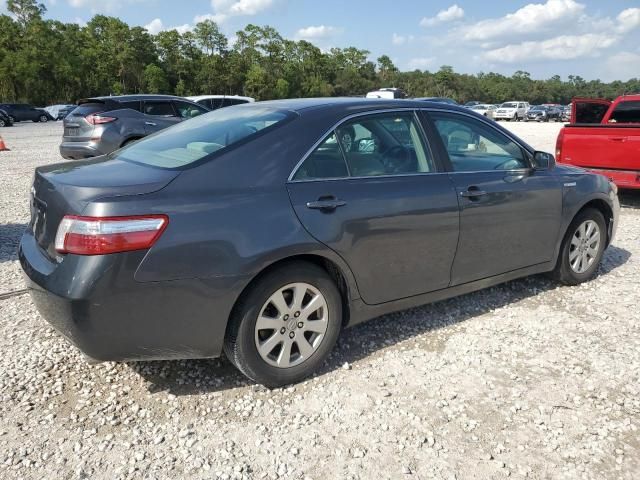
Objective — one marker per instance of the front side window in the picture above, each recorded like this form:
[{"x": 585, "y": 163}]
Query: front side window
[
  {"x": 626, "y": 112},
  {"x": 188, "y": 142},
  {"x": 372, "y": 145},
  {"x": 159, "y": 109},
  {"x": 474, "y": 146}
]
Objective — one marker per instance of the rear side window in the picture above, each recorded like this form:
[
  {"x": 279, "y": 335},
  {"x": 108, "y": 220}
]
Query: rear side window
[
  {"x": 133, "y": 105},
  {"x": 626, "y": 112},
  {"x": 159, "y": 109},
  {"x": 371, "y": 145},
  {"x": 188, "y": 142},
  {"x": 588, "y": 112}
]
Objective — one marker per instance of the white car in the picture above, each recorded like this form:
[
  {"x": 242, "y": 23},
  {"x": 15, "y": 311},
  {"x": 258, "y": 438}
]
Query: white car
[
  {"x": 514, "y": 110},
  {"x": 485, "y": 109},
  {"x": 387, "y": 93},
  {"x": 214, "y": 102}
]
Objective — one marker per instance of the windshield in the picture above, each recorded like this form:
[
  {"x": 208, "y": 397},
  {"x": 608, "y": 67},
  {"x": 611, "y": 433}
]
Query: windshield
[
  {"x": 194, "y": 139},
  {"x": 509, "y": 105},
  {"x": 534, "y": 109},
  {"x": 480, "y": 107}
]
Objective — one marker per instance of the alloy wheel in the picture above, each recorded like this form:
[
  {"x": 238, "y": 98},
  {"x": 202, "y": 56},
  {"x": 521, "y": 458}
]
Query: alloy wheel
[
  {"x": 584, "y": 247},
  {"x": 291, "y": 325}
]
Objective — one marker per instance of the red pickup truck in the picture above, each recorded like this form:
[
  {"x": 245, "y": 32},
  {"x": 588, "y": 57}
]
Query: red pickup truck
[{"x": 604, "y": 137}]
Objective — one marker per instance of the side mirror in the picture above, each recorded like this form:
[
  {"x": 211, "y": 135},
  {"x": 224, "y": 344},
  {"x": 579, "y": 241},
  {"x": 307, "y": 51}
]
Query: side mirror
[{"x": 543, "y": 161}]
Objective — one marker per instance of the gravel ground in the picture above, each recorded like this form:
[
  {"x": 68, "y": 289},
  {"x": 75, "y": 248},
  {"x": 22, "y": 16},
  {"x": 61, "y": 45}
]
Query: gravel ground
[{"x": 525, "y": 380}]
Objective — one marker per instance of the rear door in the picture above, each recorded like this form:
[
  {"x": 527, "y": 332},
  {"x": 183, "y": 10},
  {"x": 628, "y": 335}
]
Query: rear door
[
  {"x": 509, "y": 214},
  {"x": 158, "y": 115},
  {"x": 372, "y": 192}
]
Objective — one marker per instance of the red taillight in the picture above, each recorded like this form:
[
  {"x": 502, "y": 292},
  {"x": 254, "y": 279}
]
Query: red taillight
[
  {"x": 559, "y": 145},
  {"x": 97, "y": 119},
  {"x": 103, "y": 235}
]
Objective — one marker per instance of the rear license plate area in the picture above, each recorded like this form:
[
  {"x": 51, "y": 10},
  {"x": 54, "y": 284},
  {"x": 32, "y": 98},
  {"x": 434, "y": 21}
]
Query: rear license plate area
[{"x": 71, "y": 131}]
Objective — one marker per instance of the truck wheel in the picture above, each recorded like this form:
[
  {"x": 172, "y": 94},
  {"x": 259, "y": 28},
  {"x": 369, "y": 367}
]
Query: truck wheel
[
  {"x": 285, "y": 326},
  {"x": 582, "y": 248}
]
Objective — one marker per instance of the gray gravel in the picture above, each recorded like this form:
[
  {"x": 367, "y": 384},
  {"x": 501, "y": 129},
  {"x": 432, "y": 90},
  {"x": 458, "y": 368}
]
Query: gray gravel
[{"x": 525, "y": 380}]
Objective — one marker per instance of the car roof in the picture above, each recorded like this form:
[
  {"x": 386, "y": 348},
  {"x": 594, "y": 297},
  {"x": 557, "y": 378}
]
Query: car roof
[
  {"x": 138, "y": 96},
  {"x": 353, "y": 104},
  {"x": 196, "y": 98}
]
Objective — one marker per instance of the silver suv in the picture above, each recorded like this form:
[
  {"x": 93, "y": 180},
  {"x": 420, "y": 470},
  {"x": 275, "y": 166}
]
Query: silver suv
[
  {"x": 101, "y": 125},
  {"x": 515, "y": 111}
]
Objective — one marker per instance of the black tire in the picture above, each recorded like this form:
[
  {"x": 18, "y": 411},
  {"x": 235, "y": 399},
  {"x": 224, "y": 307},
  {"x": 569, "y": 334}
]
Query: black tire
[
  {"x": 12, "y": 118},
  {"x": 240, "y": 344},
  {"x": 563, "y": 271},
  {"x": 2, "y": 123},
  {"x": 43, "y": 119}
]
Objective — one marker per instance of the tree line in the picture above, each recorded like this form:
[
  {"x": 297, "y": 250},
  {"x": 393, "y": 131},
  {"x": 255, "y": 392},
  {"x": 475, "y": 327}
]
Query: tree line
[{"x": 44, "y": 61}]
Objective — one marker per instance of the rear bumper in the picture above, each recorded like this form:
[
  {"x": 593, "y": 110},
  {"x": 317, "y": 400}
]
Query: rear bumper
[
  {"x": 79, "y": 150},
  {"x": 96, "y": 304},
  {"x": 622, "y": 178}
]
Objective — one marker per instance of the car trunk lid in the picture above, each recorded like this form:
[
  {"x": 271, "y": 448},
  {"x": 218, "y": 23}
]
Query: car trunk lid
[{"x": 66, "y": 189}]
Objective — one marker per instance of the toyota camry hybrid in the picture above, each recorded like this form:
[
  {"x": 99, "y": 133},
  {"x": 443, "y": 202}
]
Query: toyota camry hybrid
[{"x": 262, "y": 230}]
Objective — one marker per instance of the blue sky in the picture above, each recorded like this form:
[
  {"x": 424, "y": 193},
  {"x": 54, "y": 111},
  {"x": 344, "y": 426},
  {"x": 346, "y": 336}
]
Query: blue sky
[{"x": 590, "y": 38}]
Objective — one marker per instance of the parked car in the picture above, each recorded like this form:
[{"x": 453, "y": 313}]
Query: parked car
[
  {"x": 449, "y": 101},
  {"x": 512, "y": 111},
  {"x": 5, "y": 119},
  {"x": 100, "y": 125},
  {"x": 388, "y": 93},
  {"x": 566, "y": 113},
  {"x": 59, "y": 111},
  {"x": 542, "y": 113},
  {"x": 485, "y": 109},
  {"x": 265, "y": 230},
  {"x": 603, "y": 136},
  {"x": 214, "y": 102},
  {"x": 472, "y": 104},
  {"x": 21, "y": 112}
]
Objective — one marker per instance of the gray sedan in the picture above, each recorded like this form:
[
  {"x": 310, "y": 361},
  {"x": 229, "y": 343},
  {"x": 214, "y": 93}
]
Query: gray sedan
[{"x": 265, "y": 229}]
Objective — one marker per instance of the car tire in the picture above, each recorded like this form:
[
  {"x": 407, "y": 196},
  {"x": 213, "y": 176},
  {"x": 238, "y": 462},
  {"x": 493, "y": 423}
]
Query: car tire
[
  {"x": 12, "y": 119},
  {"x": 281, "y": 360},
  {"x": 43, "y": 119},
  {"x": 575, "y": 264},
  {"x": 2, "y": 123}
]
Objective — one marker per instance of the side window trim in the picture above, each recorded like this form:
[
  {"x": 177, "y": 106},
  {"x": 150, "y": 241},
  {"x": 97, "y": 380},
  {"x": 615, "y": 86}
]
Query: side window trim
[
  {"x": 526, "y": 153},
  {"x": 337, "y": 125}
]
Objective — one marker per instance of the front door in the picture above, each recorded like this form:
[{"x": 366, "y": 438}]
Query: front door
[
  {"x": 372, "y": 193},
  {"x": 509, "y": 214}
]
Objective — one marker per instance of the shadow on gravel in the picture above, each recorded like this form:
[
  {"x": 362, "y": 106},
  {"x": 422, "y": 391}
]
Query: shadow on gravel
[
  {"x": 630, "y": 198},
  {"x": 10, "y": 234},
  {"x": 192, "y": 377}
]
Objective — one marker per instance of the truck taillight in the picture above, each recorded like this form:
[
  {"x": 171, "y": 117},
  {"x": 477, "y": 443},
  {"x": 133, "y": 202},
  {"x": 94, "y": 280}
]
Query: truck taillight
[
  {"x": 103, "y": 235},
  {"x": 559, "y": 145},
  {"x": 97, "y": 119}
]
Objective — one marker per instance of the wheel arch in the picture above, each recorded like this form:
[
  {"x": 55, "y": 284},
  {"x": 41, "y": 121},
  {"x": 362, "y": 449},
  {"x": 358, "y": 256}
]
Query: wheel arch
[
  {"x": 343, "y": 280},
  {"x": 603, "y": 207}
]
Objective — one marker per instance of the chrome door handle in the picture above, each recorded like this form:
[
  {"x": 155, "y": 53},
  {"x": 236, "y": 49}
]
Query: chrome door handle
[
  {"x": 150, "y": 124},
  {"x": 328, "y": 205},
  {"x": 473, "y": 193}
]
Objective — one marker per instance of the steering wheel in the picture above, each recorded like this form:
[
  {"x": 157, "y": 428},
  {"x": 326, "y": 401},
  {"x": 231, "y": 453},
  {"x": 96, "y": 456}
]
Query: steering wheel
[
  {"x": 400, "y": 159},
  {"x": 511, "y": 164}
]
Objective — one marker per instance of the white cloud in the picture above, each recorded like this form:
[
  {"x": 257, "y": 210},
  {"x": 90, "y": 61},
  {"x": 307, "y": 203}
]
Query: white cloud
[
  {"x": 454, "y": 12},
  {"x": 628, "y": 20},
  {"x": 217, "y": 18},
  {"x": 564, "y": 47},
  {"x": 530, "y": 19},
  {"x": 154, "y": 26},
  {"x": 399, "y": 40},
  {"x": 235, "y": 8},
  {"x": 421, "y": 63},
  {"x": 317, "y": 32},
  {"x": 621, "y": 66}
]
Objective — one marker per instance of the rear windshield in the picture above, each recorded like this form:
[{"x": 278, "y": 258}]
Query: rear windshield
[
  {"x": 627, "y": 112},
  {"x": 89, "y": 108},
  {"x": 192, "y": 140}
]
